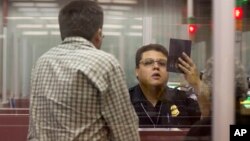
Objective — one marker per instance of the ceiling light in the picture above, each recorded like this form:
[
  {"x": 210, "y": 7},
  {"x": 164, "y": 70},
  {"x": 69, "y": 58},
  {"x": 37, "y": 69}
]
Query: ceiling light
[
  {"x": 29, "y": 26},
  {"x": 125, "y": 8},
  {"x": 52, "y": 14},
  {"x": 44, "y": 0},
  {"x": 113, "y": 26},
  {"x": 115, "y": 18},
  {"x": 23, "y": 4},
  {"x": 52, "y": 26},
  {"x": 33, "y": 0},
  {"x": 126, "y": 1},
  {"x": 139, "y": 19},
  {"x": 49, "y": 10},
  {"x": 2, "y": 36},
  {"x": 136, "y": 27},
  {"x": 112, "y": 33},
  {"x": 27, "y": 9},
  {"x": 119, "y": 1},
  {"x": 48, "y": 18},
  {"x": 32, "y": 14},
  {"x": 54, "y": 33},
  {"x": 117, "y": 13},
  {"x": 46, "y": 4},
  {"x": 134, "y": 34},
  {"x": 105, "y": 1},
  {"x": 35, "y": 33},
  {"x": 20, "y": 18}
]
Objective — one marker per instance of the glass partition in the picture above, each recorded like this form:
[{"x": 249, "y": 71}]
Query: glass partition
[
  {"x": 30, "y": 28},
  {"x": 127, "y": 26}
]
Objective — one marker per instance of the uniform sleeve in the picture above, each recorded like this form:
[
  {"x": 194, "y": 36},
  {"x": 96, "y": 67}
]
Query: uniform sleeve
[
  {"x": 117, "y": 108},
  {"x": 188, "y": 107},
  {"x": 193, "y": 111}
]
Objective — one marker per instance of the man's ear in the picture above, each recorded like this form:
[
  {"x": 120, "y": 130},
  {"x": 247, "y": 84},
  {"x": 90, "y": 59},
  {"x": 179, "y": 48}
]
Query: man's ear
[{"x": 97, "y": 38}]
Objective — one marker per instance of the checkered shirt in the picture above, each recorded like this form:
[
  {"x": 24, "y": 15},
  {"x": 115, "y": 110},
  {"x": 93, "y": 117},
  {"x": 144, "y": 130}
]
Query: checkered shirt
[{"x": 79, "y": 93}]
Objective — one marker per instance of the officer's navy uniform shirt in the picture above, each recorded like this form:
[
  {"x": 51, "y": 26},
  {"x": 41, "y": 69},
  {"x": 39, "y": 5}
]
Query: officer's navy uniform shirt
[{"x": 174, "y": 109}]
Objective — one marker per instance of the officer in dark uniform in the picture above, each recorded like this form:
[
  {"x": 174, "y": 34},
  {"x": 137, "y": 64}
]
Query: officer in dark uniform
[
  {"x": 176, "y": 108},
  {"x": 157, "y": 105}
]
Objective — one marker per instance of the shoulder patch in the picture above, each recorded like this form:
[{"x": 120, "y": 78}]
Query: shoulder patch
[{"x": 193, "y": 96}]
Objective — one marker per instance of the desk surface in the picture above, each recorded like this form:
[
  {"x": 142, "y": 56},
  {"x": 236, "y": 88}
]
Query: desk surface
[
  {"x": 163, "y": 134},
  {"x": 15, "y": 127}
]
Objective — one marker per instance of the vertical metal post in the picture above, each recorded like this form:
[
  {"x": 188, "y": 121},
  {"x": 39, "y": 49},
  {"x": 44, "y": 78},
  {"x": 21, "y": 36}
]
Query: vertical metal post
[
  {"x": 4, "y": 87},
  {"x": 147, "y": 30},
  {"x": 25, "y": 67},
  {"x": 223, "y": 51},
  {"x": 16, "y": 70},
  {"x": 190, "y": 8},
  {"x": 146, "y": 26}
]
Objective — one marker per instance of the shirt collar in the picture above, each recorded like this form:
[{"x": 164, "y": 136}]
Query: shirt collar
[
  {"x": 166, "y": 97},
  {"x": 78, "y": 40},
  {"x": 138, "y": 95}
]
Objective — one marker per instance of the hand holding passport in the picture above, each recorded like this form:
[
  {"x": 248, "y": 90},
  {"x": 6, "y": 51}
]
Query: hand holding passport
[{"x": 176, "y": 48}]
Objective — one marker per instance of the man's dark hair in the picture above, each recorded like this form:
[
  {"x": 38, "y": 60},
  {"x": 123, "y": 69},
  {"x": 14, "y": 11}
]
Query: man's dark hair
[
  {"x": 155, "y": 47},
  {"x": 80, "y": 18}
]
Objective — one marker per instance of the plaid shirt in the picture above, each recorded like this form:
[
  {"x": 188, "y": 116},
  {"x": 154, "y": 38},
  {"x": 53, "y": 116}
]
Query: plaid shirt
[{"x": 79, "y": 93}]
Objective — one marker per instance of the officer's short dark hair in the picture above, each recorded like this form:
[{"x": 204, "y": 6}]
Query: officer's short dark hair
[{"x": 155, "y": 47}]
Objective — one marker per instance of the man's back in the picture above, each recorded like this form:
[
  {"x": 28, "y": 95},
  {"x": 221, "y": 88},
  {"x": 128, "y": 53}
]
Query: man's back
[{"x": 71, "y": 87}]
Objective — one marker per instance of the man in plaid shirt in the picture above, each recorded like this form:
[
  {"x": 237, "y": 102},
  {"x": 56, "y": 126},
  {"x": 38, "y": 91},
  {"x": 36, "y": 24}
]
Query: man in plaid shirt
[{"x": 78, "y": 92}]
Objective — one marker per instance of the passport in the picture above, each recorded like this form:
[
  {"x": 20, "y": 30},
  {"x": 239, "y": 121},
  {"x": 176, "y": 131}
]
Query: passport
[{"x": 176, "y": 47}]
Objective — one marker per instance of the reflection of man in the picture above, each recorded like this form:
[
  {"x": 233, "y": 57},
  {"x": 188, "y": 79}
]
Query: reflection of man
[
  {"x": 157, "y": 105},
  {"x": 201, "y": 130},
  {"x": 78, "y": 92}
]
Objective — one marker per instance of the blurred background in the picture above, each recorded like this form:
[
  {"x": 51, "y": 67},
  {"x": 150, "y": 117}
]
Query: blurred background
[{"x": 30, "y": 27}]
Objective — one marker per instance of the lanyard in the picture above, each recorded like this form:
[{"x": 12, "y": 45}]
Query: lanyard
[{"x": 150, "y": 117}]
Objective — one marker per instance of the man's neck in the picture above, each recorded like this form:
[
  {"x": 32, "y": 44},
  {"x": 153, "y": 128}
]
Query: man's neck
[{"x": 152, "y": 94}]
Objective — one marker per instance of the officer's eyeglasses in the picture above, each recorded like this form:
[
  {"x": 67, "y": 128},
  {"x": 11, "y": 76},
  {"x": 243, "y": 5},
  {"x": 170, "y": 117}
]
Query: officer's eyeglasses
[{"x": 151, "y": 62}]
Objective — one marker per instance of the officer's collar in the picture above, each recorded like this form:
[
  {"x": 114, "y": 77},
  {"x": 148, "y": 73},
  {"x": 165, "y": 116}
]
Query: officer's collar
[{"x": 139, "y": 96}]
